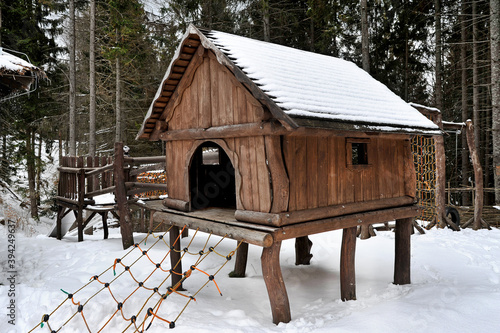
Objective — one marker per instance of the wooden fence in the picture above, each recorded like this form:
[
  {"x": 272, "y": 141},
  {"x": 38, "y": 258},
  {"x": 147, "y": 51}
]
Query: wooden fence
[{"x": 81, "y": 179}]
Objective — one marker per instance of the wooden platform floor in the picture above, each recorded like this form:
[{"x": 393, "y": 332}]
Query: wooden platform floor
[{"x": 220, "y": 215}]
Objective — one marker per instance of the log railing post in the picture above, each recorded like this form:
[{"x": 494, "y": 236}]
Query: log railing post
[
  {"x": 81, "y": 197},
  {"x": 121, "y": 198}
]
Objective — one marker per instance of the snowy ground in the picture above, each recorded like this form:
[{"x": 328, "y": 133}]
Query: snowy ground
[{"x": 455, "y": 285}]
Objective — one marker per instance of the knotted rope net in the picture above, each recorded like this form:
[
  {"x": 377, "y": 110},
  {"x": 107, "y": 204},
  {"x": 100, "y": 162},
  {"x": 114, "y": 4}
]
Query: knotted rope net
[
  {"x": 126, "y": 297},
  {"x": 424, "y": 157}
]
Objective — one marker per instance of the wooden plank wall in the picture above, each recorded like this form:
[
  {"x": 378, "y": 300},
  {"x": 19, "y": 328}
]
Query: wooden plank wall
[
  {"x": 255, "y": 189},
  {"x": 214, "y": 98},
  {"x": 319, "y": 175},
  {"x": 255, "y": 192}
]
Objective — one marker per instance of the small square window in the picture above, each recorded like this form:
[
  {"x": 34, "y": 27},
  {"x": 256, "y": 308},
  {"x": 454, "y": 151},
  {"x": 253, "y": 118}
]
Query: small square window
[
  {"x": 357, "y": 152},
  {"x": 210, "y": 156}
]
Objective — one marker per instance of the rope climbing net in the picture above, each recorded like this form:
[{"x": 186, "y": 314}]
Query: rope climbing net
[
  {"x": 128, "y": 297},
  {"x": 424, "y": 158}
]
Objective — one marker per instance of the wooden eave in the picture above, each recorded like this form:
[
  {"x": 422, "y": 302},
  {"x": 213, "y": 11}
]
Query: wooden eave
[
  {"x": 350, "y": 127},
  {"x": 155, "y": 124},
  {"x": 193, "y": 47},
  {"x": 177, "y": 69}
]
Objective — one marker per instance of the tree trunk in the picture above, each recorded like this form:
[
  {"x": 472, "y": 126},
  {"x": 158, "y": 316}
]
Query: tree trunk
[
  {"x": 495, "y": 91},
  {"x": 364, "y": 37},
  {"x": 4, "y": 174},
  {"x": 92, "y": 106},
  {"x": 72, "y": 80},
  {"x": 118, "y": 109},
  {"x": 463, "y": 64},
  {"x": 265, "y": 20},
  {"x": 30, "y": 161},
  {"x": 475, "y": 77},
  {"x": 478, "y": 177},
  {"x": 38, "y": 169},
  {"x": 438, "y": 88}
]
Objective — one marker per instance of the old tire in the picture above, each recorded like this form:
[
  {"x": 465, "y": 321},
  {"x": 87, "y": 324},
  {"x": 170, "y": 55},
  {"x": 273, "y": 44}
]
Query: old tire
[{"x": 453, "y": 215}]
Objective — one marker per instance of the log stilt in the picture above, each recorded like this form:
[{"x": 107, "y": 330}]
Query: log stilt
[
  {"x": 347, "y": 265},
  {"x": 79, "y": 223},
  {"x": 175, "y": 256},
  {"x": 402, "y": 255},
  {"x": 240, "y": 265},
  {"x": 303, "y": 247},
  {"x": 105, "y": 224},
  {"x": 60, "y": 214},
  {"x": 271, "y": 270}
]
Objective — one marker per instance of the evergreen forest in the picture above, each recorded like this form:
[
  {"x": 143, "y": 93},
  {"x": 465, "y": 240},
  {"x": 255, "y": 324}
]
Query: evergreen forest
[{"x": 104, "y": 60}]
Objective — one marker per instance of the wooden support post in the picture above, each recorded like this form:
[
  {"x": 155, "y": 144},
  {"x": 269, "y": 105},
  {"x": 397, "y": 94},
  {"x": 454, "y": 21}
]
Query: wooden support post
[
  {"x": 347, "y": 264},
  {"x": 271, "y": 271},
  {"x": 60, "y": 213},
  {"x": 440, "y": 192},
  {"x": 142, "y": 218},
  {"x": 105, "y": 224},
  {"x": 402, "y": 255},
  {"x": 175, "y": 256},
  {"x": 240, "y": 265},
  {"x": 477, "y": 220},
  {"x": 81, "y": 198},
  {"x": 151, "y": 215},
  {"x": 121, "y": 198},
  {"x": 303, "y": 250}
]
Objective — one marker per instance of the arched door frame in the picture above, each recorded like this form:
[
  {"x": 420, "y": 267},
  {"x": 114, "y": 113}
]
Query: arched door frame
[{"x": 233, "y": 157}]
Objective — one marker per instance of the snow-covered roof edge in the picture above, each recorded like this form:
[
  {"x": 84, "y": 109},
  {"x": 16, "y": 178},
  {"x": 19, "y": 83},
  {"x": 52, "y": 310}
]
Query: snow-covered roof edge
[
  {"x": 167, "y": 73},
  {"x": 11, "y": 64},
  {"x": 429, "y": 108},
  {"x": 225, "y": 60}
]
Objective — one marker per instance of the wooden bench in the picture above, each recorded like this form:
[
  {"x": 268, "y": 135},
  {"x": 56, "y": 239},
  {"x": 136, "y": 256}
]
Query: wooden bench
[{"x": 223, "y": 223}]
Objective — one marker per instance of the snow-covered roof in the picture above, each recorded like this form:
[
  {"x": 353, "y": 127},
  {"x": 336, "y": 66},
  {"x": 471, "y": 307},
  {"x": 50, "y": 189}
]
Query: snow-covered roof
[
  {"x": 16, "y": 74},
  {"x": 313, "y": 86},
  {"x": 425, "y": 107},
  {"x": 11, "y": 63}
]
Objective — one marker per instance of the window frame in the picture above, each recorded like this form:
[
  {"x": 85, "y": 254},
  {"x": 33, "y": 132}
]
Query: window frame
[{"x": 349, "y": 151}]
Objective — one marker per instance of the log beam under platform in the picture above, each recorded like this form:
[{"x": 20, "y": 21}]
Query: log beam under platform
[{"x": 222, "y": 222}]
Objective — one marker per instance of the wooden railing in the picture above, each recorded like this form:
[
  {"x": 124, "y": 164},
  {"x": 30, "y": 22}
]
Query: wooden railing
[{"x": 82, "y": 179}]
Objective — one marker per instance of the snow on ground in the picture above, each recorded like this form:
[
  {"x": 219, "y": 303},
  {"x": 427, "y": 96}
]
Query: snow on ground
[{"x": 455, "y": 285}]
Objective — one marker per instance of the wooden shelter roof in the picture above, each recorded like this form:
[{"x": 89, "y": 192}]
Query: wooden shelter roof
[
  {"x": 300, "y": 89},
  {"x": 16, "y": 74}
]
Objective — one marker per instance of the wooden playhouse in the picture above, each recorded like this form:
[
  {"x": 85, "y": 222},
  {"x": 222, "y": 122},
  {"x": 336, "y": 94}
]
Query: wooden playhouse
[{"x": 266, "y": 143}]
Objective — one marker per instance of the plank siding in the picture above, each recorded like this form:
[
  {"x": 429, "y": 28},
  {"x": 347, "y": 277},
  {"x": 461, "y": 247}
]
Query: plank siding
[
  {"x": 204, "y": 97},
  {"x": 312, "y": 172},
  {"x": 319, "y": 175},
  {"x": 214, "y": 98},
  {"x": 316, "y": 166}
]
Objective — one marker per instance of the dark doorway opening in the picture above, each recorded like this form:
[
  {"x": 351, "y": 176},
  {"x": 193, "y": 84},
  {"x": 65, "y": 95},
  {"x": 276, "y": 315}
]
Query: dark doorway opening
[{"x": 211, "y": 178}]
